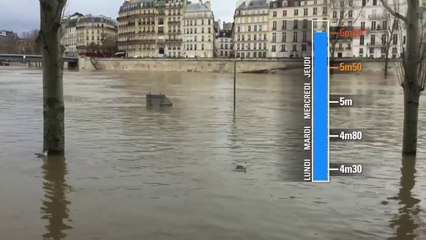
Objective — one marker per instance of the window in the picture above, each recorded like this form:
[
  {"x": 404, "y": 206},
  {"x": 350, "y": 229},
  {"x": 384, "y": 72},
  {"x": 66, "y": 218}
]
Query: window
[
  {"x": 362, "y": 25},
  {"x": 395, "y": 39},
  {"x": 395, "y": 24},
  {"x": 284, "y": 37},
  {"x": 303, "y": 47},
  {"x": 371, "y": 50},
  {"x": 284, "y": 25},
  {"x": 304, "y": 36},
  {"x": 305, "y": 12},
  {"x": 249, "y": 28},
  {"x": 342, "y": 4},
  {"x": 334, "y": 14},
  {"x": 373, "y": 25},
  {"x": 385, "y": 25},
  {"x": 283, "y": 49},
  {"x": 284, "y": 13},
  {"x": 324, "y": 11},
  {"x": 296, "y": 12},
  {"x": 361, "y": 51},
  {"x": 315, "y": 11},
  {"x": 384, "y": 39},
  {"x": 361, "y": 40},
  {"x": 295, "y": 37},
  {"x": 295, "y": 24},
  {"x": 305, "y": 23},
  {"x": 274, "y": 25},
  {"x": 294, "y": 47},
  {"x": 351, "y": 3},
  {"x": 274, "y": 37},
  {"x": 374, "y": 2},
  {"x": 274, "y": 48},
  {"x": 350, "y": 13},
  {"x": 274, "y": 13},
  {"x": 373, "y": 40}
]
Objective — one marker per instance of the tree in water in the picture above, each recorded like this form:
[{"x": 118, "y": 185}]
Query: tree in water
[
  {"x": 49, "y": 38},
  {"x": 391, "y": 35},
  {"x": 413, "y": 74}
]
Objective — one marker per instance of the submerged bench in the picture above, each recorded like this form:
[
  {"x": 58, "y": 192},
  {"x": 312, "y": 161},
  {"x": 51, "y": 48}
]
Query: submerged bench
[{"x": 157, "y": 100}]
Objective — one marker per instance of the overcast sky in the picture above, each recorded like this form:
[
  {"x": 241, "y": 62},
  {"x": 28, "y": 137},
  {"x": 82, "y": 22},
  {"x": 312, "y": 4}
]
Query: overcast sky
[{"x": 23, "y": 15}]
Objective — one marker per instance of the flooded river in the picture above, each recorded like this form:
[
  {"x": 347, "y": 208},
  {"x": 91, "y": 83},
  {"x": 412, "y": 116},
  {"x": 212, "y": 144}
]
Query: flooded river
[{"x": 134, "y": 173}]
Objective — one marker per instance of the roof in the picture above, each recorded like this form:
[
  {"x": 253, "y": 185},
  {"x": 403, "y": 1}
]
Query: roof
[
  {"x": 254, "y": 4},
  {"x": 99, "y": 19},
  {"x": 196, "y": 7},
  {"x": 224, "y": 34},
  {"x": 130, "y": 6}
]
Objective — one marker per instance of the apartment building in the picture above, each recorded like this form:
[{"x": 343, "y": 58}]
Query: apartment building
[
  {"x": 251, "y": 29},
  {"x": 87, "y": 33},
  {"x": 385, "y": 32},
  {"x": 70, "y": 38},
  {"x": 166, "y": 28},
  {"x": 173, "y": 27},
  {"x": 94, "y": 32},
  {"x": 199, "y": 34},
  {"x": 380, "y": 30},
  {"x": 290, "y": 26},
  {"x": 138, "y": 28},
  {"x": 224, "y": 44}
]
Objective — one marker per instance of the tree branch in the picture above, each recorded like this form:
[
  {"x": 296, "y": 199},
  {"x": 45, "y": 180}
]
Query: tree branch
[{"x": 391, "y": 11}]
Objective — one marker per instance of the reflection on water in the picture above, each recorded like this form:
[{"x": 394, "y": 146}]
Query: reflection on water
[
  {"x": 55, "y": 205},
  {"x": 407, "y": 221}
]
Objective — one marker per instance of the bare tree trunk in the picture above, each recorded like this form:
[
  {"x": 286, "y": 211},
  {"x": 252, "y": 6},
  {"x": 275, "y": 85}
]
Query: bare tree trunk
[
  {"x": 386, "y": 62},
  {"x": 411, "y": 85},
  {"x": 53, "y": 97}
]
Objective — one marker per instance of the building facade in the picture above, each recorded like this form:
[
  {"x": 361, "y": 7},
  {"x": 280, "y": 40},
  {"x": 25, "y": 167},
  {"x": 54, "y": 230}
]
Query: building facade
[
  {"x": 166, "y": 28},
  {"x": 199, "y": 34},
  {"x": 223, "y": 42},
  {"x": 290, "y": 26},
  {"x": 251, "y": 29},
  {"x": 88, "y": 33},
  {"x": 70, "y": 38},
  {"x": 381, "y": 33}
]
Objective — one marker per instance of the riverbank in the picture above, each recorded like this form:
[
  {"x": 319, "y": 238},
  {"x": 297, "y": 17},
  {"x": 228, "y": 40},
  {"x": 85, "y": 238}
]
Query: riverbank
[
  {"x": 187, "y": 65},
  {"x": 214, "y": 65}
]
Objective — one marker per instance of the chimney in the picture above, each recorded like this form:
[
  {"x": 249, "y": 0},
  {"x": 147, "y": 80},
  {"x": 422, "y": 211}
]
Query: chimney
[{"x": 208, "y": 4}]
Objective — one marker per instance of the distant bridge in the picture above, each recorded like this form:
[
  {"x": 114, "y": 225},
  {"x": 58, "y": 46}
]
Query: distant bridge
[{"x": 31, "y": 58}]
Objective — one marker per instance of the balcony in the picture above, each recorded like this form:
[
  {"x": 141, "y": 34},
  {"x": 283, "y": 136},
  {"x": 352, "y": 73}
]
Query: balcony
[
  {"x": 137, "y": 41},
  {"x": 374, "y": 45},
  {"x": 173, "y": 40},
  {"x": 173, "y": 22},
  {"x": 377, "y": 17}
]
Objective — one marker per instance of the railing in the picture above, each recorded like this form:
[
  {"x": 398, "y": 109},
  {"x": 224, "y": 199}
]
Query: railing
[{"x": 377, "y": 16}]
